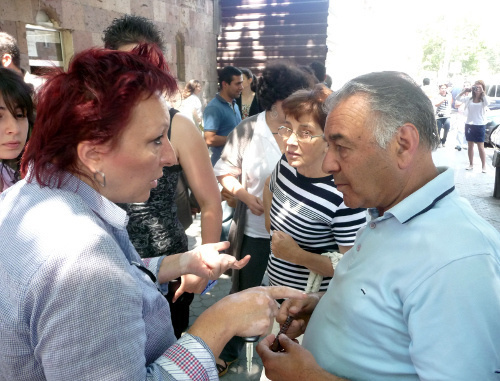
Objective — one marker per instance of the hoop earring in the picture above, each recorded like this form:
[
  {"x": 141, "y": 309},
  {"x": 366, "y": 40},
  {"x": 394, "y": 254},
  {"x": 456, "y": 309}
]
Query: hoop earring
[
  {"x": 274, "y": 112},
  {"x": 102, "y": 183}
]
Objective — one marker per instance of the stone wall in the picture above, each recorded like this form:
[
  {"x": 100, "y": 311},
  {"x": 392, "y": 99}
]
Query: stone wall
[{"x": 192, "y": 21}]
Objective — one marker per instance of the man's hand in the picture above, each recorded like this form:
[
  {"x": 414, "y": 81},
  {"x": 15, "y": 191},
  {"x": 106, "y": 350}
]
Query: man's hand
[
  {"x": 285, "y": 247},
  {"x": 293, "y": 363},
  {"x": 301, "y": 310}
]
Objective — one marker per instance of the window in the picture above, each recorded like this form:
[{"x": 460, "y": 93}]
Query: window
[{"x": 45, "y": 48}]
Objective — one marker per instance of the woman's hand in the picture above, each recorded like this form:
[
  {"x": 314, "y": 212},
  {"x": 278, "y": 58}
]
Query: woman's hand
[
  {"x": 254, "y": 204},
  {"x": 284, "y": 247},
  {"x": 203, "y": 261},
  {"x": 246, "y": 313},
  {"x": 228, "y": 197},
  {"x": 206, "y": 261},
  {"x": 190, "y": 283}
]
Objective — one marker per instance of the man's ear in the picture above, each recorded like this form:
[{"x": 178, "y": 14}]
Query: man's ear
[
  {"x": 90, "y": 155},
  {"x": 407, "y": 139},
  {"x": 6, "y": 60}
]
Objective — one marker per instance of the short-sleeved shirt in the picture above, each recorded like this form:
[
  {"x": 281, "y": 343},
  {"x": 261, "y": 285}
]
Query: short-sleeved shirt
[
  {"x": 220, "y": 117},
  {"x": 417, "y": 297},
  {"x": 476, "y": 112},
  {"x": 313, "y": 213}
]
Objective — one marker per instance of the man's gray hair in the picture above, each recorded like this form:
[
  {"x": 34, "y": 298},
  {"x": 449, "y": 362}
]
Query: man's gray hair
[{"x": 394, "y": 99}]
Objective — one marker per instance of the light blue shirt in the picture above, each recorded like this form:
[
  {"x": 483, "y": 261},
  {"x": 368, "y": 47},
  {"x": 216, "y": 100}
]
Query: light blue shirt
[
  {"x": 416, "y": 297},
  {"x": 73, "y": 305},
  {"x": 220, "y": 117}
]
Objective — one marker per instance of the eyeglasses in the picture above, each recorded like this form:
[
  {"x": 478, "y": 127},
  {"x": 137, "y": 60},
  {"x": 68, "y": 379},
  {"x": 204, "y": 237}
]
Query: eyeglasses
[{"x": 302, "y": 136}]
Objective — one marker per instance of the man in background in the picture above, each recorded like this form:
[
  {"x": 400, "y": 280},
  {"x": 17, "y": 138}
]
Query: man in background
[
  {"x": 222, "y": 113},
  {"x": 9, "y": 53}
]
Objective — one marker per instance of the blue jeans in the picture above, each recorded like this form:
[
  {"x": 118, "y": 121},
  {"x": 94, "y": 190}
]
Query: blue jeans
[{"x": 445, "y": 124}]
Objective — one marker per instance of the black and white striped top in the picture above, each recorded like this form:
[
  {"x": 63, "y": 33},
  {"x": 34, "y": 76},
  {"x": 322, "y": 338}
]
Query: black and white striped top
[{"x": 312, "y": 211}]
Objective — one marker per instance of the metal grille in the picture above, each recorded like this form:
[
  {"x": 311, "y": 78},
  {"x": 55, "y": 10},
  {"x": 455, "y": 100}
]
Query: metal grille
[{"x": 257, "y": 31}]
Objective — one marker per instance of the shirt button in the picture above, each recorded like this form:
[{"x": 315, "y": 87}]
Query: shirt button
[
  {"x": 358, "y": 248},
  {"x": 372, "y": 225}
]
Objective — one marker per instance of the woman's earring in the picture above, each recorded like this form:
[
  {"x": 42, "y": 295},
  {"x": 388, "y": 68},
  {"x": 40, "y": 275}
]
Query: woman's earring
[
  {"x": 102, "y": 182},
  {"x": 274, "y": 112}
]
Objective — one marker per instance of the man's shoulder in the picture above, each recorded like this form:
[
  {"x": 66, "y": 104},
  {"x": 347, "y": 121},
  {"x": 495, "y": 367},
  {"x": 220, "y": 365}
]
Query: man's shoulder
[{"x": 212, "y": 103}]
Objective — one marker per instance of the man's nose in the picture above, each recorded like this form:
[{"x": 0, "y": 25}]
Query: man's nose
[{"x": 330, "y": 163}]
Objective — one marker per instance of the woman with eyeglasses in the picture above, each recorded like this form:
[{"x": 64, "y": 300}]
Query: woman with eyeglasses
[
  {"x": 475, "y": 107},
  {"x": 77, "y": 301},
  {"x": 252, "y": 150},
  {"x": 310, "y": 225}
]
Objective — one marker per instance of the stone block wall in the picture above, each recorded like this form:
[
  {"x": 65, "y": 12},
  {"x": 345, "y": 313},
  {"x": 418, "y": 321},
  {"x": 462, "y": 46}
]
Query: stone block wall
[{"x": 85, "y": 20}]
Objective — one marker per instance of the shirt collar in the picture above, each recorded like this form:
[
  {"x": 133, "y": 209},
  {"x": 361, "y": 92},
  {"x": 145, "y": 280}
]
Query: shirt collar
[
  {"x": 100, "y": 205},
  {"x": 219, "y": 97},
  {"x": 425, "y": 198}
]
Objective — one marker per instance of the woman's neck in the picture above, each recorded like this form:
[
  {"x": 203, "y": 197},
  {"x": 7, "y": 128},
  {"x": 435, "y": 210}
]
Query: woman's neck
[
  {"x": 312, "y": 171},
  {"x": 247, "y": 92}
]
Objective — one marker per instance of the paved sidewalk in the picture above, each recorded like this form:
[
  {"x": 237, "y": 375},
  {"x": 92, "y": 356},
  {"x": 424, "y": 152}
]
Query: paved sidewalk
[{"x": 475, "y": 186}]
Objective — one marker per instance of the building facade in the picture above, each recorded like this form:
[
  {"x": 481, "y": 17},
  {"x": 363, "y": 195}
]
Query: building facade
[{"x": 50, "y": 32}]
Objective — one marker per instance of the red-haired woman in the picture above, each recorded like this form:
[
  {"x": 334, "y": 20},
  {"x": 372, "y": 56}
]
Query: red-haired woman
[
  {"x": 156, "y": 226},
  {"x": 77, "y": 301}
]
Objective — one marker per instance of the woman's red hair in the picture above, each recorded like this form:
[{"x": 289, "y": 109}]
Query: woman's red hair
[{"x": 92, "y": 101}]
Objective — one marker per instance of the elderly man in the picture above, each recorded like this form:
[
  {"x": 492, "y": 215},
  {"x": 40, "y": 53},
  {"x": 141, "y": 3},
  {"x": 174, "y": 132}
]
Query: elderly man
[{"x": 418, "y": 295}]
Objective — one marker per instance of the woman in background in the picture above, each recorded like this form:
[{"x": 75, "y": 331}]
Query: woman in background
[
  {"x": 191, "y": 104},
  {"x": 249, "y": 156},
  {"x": 310, "y": 225},
  {"x": 475, "y": 107},
  {"x": 247, "y": 102},
  {"x": 16, "y": 118}
]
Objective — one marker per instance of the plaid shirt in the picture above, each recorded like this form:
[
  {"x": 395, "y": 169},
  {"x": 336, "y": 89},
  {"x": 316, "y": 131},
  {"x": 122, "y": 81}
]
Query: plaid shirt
[{"x": 73, "y": 306}]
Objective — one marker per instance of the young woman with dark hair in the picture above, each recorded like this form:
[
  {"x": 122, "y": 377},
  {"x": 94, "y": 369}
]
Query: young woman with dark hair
[
  {"x": 16, "y": 118},
  {"x": 247, "y": 102}
]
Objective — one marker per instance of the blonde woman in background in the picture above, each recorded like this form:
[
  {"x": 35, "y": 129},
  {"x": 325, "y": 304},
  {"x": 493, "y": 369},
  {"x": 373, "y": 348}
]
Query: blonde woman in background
[{"x": 191, "y": 104}]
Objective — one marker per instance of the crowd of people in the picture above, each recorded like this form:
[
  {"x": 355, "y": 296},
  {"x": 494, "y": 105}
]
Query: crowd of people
[{"x": 331, "y": 196}]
